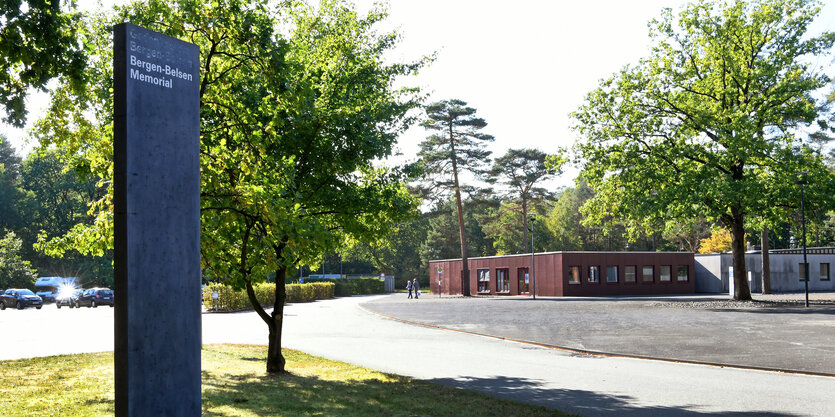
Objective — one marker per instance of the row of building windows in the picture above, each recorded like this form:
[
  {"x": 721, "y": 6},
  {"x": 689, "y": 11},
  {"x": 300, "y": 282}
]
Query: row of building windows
[
  {"x": 630, "y": 274},
  {"x": 823, "y": 271},
  {"x": 502, "y": 280},
  {"x": 613, "y": 275}
]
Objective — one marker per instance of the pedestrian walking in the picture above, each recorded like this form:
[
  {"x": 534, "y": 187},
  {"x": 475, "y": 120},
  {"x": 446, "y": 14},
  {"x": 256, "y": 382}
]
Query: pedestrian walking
[
  {"x": 416, "y": 287},
  {"x": 409, "y": 287}
]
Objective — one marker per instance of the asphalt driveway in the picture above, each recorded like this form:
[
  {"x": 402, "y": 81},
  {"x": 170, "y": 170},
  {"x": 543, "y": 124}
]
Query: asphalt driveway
[
  {"x": 775, "y": 332},
  {"x": 342, "y": 329}
]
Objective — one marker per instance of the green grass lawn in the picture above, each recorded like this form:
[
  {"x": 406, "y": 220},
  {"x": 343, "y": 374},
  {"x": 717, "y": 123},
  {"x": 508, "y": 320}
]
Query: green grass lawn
[{"x": 235, "y": 384}]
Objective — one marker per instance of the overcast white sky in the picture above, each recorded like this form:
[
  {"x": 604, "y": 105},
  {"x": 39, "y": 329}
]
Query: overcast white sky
[{"x": 525, "y": 65}]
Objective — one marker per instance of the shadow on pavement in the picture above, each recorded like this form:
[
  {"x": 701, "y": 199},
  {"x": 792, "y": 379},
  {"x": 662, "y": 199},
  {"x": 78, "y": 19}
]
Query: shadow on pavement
[
  {"x": 586, "y": 403},
  {"x": 606, "y": 299}
]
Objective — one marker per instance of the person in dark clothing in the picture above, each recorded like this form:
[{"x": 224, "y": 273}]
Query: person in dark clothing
[{"x": 416, "y": 287}]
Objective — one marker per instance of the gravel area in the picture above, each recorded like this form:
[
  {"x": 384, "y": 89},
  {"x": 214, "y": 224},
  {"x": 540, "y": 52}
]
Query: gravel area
[{"x": 771, "y": 302}]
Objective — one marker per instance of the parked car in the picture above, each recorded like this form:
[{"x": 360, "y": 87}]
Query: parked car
[
  {"x": 67, "y": 297},
  {"x": 20, "y": 298},
  {"x": 46, "y": 296},
  {"x": 94, "y": 297}
]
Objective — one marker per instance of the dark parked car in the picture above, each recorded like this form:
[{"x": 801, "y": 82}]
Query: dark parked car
[
  {"x": 19, "y": 299},
  {"x": 67, "y": 298},
  {"x": 94, "y": 297},
  {"x": 46, "y": 296}
]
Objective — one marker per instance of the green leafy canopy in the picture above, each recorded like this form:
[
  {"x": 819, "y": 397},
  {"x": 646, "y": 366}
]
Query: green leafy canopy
[{"x": 708, "y": 124}]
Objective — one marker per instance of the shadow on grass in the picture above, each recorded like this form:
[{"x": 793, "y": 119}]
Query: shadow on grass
[
  {"x": 587, "y": 403},
  {"x": 256, "y": 394},
  {"x": 305, "y": 395}
]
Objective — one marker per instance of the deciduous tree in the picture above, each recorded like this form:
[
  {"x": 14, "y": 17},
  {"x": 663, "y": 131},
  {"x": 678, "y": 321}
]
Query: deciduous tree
[
  {"x": 14, "y": 271},
  {"x": 566, "y": 223},
  {"x": 706, "y": 125},
  {"x": 10, "y": 194},
  {"x": 296, "y": 105},
  {"x": 398, "y": 254},
  {"x": 38, "y": 43},
  {"x": 719, "y": 241},
  {"x": 56, "y": 198}
]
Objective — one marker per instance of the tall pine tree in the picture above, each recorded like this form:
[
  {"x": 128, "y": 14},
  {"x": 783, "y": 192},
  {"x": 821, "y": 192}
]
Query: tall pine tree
[
  {"x": 519, "y": 170},
  {"x": 456, "y": 144}
]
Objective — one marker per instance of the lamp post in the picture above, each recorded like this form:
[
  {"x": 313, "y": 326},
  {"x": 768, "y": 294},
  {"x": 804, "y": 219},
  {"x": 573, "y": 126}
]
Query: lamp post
[
  {"x": 533, "y": 261},
  {"x": 802, "y": 182}
]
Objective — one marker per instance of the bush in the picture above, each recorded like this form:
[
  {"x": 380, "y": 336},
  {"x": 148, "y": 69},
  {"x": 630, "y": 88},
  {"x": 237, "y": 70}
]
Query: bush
[
  {"x": 232, "y": 300},
  {"x": 14, "y": 271},
  {"x": 348, "y": 287}
]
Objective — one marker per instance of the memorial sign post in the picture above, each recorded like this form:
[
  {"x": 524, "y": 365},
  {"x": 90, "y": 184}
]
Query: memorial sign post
[{"x": 156, "y": 150}]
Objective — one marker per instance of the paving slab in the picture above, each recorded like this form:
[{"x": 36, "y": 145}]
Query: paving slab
[{"x": 773, "y": 332}]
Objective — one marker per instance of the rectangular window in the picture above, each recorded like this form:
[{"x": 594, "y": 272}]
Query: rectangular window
[
  {"x": 665, "y": 273},
  {"x": 824, "y": 271},
  {"x": 683, "y": 273},
  {"x": 647, "y": 274},
  {"x": 629, "y": 273},
  {"x": 573, "y": 274},
  {"x": 502, "y": 280},
  {"x": 484, "y": 280},
  {"x": 801, "y": 271},
  {"x": 594, "y": 274},
  {"x": 524, "y": 281},
  {"x": 611, "y": 274}
]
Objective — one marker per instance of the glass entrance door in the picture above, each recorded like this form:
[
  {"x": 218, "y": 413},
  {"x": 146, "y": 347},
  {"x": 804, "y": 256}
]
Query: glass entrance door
[{"x": 524, "y": 281}]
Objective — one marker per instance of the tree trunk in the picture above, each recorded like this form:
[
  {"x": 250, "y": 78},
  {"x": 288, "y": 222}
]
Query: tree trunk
[
  {"x": 525, "y": 226},
  {"x": 275, "y": 360},
  {"x": 465, "y": 264},
  {"x": 741, "y": 290},
  {"x": 275, "y": 364},
  {"x": 766, "y": 258}
]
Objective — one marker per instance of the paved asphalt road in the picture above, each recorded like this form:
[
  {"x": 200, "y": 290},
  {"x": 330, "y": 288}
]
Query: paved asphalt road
[
  {"x": 709, "y": 329},
  {"x": 340, "y": 329}
]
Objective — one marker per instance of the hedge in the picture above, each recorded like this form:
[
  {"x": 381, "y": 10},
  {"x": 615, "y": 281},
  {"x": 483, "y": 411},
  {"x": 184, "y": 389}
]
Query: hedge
[
  {"x": 353, "y": 286},
  {"x": 231, "y": 300}
]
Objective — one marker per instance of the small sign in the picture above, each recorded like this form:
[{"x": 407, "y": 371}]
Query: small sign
[{"x": 215, "y": 295}]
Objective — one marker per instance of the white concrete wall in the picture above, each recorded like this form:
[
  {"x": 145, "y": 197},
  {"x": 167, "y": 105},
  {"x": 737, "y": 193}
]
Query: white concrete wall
[
  {"x": 712, "y": 272},
  {"x": 709, "y": 273}
]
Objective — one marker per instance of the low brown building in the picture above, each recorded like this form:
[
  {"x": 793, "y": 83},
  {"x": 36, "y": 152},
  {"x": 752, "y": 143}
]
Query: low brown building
[{"x": 570, "y": 274}]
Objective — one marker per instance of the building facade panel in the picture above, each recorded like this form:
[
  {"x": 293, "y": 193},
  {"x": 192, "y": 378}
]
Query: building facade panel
[
  {"x": 448, "y": 274},
  {"x": 571, "y": 274},
  {"x": 679, "y": 277},
  {"x": 549, "y": 274},
  {"x": 714, "y": 272}
]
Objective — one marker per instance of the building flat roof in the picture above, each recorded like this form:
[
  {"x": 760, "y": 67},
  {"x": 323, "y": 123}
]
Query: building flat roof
[
  {"x": 558, "y": 252},
  {"x": 829, "y": 250}
]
